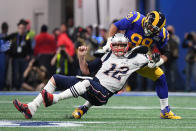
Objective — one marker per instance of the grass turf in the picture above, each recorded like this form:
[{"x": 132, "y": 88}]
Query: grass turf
[{"x": 122, "y": 113}]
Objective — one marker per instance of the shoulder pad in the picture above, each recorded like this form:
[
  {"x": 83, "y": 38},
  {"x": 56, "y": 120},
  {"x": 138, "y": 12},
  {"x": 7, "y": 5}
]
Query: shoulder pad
[
  {"x": 133, "y": 16},
  {"x": 137, "y": 50}
]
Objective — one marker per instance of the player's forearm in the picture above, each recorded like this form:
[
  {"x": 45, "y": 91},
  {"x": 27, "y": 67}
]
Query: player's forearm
[
  {"x": 112, "y": 31},
  {"x": 164, "y": 58},
  {"x": 83, "y": 65}
]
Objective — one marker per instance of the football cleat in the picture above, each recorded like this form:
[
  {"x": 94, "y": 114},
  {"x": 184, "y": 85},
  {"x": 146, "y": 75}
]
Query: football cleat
[
  {"x": 47, "y": 98},
  {"x": 79, "y": 112},
  {"x": 23, "y": 108},
  {"x": 168, "y": 114}
]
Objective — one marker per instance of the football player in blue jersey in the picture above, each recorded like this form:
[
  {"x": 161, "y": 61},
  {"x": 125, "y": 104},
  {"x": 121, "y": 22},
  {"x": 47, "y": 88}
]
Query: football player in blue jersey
[
  {"x": 114, "y": 68},
  {"x": 148, "y": 31}
]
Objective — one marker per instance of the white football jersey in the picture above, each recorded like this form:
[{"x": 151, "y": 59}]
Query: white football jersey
[{"x": 115, "y": 70}]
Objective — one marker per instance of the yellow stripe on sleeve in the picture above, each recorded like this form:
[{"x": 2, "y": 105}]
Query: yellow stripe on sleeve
[
  {"x": 137, "y": 18},
  {"x": 164, "y": 35}
]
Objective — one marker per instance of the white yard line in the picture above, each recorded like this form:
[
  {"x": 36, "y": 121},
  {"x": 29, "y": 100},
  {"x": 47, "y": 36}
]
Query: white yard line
[
  {"x": 122, "y": 107},
  {"x": 141, "y": 107},
  {"x": 132, "y": 93}
]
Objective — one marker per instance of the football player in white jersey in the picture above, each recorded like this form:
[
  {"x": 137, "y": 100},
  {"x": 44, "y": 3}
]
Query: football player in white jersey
[{"x": 114, "y": 68}]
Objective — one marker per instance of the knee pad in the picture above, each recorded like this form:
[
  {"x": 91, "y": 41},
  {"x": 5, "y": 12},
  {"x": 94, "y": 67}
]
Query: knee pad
[{"x": 80, "y": 88}]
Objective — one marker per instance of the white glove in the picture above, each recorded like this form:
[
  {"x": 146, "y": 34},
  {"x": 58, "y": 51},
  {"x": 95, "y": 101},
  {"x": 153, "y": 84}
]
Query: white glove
[
  {"x": 153, "y": 64},
  {"x": 107, "y": 46}
]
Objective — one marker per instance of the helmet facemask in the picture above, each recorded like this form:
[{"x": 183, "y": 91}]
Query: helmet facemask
[
  {"x": 153, "y": 23},
  {"x": 119, "y": 45},
  {"x": 150, "y": 30}
]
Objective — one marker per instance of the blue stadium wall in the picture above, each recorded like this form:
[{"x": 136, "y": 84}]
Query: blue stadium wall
[{"x": 182, "y": 15}]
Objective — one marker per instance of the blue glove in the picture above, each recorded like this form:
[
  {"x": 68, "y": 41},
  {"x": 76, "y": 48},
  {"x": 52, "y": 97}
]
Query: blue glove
[{"x": 4, "y": 45}]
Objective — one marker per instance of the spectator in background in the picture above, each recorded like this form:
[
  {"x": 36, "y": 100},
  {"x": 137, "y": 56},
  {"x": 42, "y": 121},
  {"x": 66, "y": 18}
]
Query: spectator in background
[
  {"x": 45, "y": 48},
  {"x": 63, "y": 39},
  {"x": 96, "y": 35},
  {"x": 4, "y": 31},
  {"x": 20, "y": 52},
  {"x": 70, "y": 28},
  {"x": 79, "y": 35},
  {"x": 30, "y": 33},
  {"x": 190, "y": 43},
  {"x": 91, "y": 43},
  {"x": 67, "y": 48},
  {"x": 89, "y": 31},
  {"x": 35, "y": 76},
  {"x": 63, "y": 62},
  {"x": 56, "y": 32},
  {"x": 84, "y": 37},
  {"x": 171, "y": 67},
  {"x": 45, "y": 42},
  {"x": 4, "y": 59},
  {"x": 103, "y": 34},
  {"x": 4, "y": 46}
]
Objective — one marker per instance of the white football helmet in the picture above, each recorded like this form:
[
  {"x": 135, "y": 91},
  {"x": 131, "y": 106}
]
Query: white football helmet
[{"x": 119, "y": 44}]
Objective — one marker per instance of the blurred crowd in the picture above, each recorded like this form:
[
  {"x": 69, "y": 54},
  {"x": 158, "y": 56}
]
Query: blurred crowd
[{"x": 33, "y": 58}]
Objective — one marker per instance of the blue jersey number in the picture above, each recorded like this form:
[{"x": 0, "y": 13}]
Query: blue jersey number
[{"x": 116, "y": 72}]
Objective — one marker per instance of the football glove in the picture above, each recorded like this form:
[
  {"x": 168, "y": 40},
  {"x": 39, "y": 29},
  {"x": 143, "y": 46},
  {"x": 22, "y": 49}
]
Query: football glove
[
  {"x": 156, "y": 57},
  {"x": 101, "y": 52},
  {"x": 107, "y": 46},
  {"x": 156, "y": 61}
]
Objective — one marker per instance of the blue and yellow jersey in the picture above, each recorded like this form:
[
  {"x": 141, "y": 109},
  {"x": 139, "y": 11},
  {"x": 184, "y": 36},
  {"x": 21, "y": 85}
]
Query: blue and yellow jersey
[{"x": 133, "y": 26}]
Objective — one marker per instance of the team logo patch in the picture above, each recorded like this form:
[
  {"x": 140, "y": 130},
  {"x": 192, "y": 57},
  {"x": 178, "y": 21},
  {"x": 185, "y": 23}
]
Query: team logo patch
[{"x": 38, "y": 124}]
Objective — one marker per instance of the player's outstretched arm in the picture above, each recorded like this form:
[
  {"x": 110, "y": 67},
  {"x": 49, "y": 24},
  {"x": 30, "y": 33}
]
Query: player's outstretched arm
[
  {"x": 82, "y": 51},
  {"x": 112, "y": 31}
]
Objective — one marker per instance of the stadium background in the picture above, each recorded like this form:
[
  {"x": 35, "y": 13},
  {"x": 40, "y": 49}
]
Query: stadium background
[
  {"x": 133, "y": 111},
  {"x": 179, "y": 13}
]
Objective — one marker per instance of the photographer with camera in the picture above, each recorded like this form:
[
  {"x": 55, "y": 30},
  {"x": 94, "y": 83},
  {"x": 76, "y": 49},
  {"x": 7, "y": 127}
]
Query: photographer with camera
[
  {"x": 171, "y": 68},
  {"x": 190, "y": 70},
  {"x": 63, "y": 61},
  {"x": 35, "y": 76}
]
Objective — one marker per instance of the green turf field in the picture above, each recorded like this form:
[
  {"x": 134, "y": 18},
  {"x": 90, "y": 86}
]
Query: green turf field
[{"x": 122, "y": 113}]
